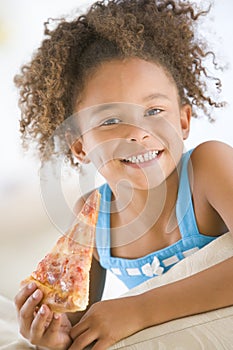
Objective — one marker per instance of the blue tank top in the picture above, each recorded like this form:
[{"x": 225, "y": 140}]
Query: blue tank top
[{"x": 133, "y": 272}]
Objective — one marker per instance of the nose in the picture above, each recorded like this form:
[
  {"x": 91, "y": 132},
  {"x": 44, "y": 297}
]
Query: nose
[{"x": 136, "y": 134}]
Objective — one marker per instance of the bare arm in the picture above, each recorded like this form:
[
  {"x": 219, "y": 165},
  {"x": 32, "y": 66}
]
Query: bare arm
[{"x": 207, "y": 290}]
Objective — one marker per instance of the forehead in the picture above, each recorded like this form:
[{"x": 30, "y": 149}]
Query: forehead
[{"x": 130, "y": 80}]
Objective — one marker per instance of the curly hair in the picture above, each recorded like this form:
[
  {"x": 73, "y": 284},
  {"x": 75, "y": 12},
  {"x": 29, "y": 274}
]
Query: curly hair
[{"x": 161, "y": 31}]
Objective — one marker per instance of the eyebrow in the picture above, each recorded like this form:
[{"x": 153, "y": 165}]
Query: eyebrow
[
  {"x": 156, "y": 96},
  {"x": 109, "y": 106},
  {"x": 103, "y": 107}
]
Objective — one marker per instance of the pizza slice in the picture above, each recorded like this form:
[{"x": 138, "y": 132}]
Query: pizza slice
[{"x": 63, "y": 274}]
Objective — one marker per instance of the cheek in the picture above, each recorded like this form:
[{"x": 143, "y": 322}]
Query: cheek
[
  {"x": 100, "y": 150},
  {"x": 168, "y": 132}
]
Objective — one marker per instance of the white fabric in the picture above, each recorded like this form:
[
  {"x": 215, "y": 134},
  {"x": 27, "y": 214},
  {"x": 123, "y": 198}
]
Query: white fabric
[
  {"x": 9, "y": 336},
  {"x": 208, "y": 331}
]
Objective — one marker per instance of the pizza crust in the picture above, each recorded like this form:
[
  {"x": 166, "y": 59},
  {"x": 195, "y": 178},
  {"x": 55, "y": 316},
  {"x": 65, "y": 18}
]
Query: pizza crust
[{"x": 53, "y": 297}]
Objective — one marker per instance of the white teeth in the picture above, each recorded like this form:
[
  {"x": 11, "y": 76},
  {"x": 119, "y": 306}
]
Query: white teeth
[{"x": 142, "y": 157}]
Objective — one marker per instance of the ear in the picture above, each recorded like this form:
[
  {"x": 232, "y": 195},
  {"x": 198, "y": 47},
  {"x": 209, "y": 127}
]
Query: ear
[
  {"x": 77, "y": 149},
  {"x": 185, "y": 118}
]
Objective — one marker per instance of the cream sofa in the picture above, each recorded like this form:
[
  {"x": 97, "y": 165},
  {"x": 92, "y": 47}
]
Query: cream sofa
[{"x": 208, "y": 331}]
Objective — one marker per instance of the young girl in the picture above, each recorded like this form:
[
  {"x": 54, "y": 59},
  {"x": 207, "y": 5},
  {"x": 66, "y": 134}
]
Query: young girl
[{"x": 131, "y": 75}]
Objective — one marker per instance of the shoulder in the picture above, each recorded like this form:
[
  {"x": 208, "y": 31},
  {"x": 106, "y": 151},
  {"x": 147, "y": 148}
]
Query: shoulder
[
  {"x": 212, "y": 168},
  {"x": 210, "y": 148},
  {"x": 212, "y": 158}
]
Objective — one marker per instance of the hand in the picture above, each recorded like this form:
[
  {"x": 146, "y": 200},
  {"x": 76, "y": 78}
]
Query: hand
[
  {"x": 105, "y": 323},
  {"x": 40, "y": 325}
]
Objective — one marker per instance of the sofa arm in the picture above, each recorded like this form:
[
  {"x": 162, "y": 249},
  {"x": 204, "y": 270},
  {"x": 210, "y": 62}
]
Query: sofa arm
[{"x": 210, "y": 330}]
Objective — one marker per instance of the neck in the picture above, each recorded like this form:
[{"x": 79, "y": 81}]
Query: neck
[{"x": 136, "y": 212}]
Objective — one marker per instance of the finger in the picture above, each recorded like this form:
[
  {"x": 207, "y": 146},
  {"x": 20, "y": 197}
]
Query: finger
[
  {"x": 102, "y": 345},
  {"x": 54, "y": 325},
  {"x": 78, "y": 329},
  {"x": 23, "y": 295},
  {"x": 26, "y": 313},
  {"x": 40, "y": 323},
  {"x": 85, "y": 339}
]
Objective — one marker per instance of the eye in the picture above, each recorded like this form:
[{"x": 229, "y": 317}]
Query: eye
[
  {"x": 152, "y": 112},
  {"x": 111, "y": 121}
]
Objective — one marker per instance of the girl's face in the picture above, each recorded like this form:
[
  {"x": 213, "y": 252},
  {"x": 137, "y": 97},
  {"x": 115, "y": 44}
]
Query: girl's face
[{"x": 132, "y": 123}]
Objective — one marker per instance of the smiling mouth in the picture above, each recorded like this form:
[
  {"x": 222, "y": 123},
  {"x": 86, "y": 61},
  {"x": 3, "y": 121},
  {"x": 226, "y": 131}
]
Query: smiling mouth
[{"x": 142, "y": 158}]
